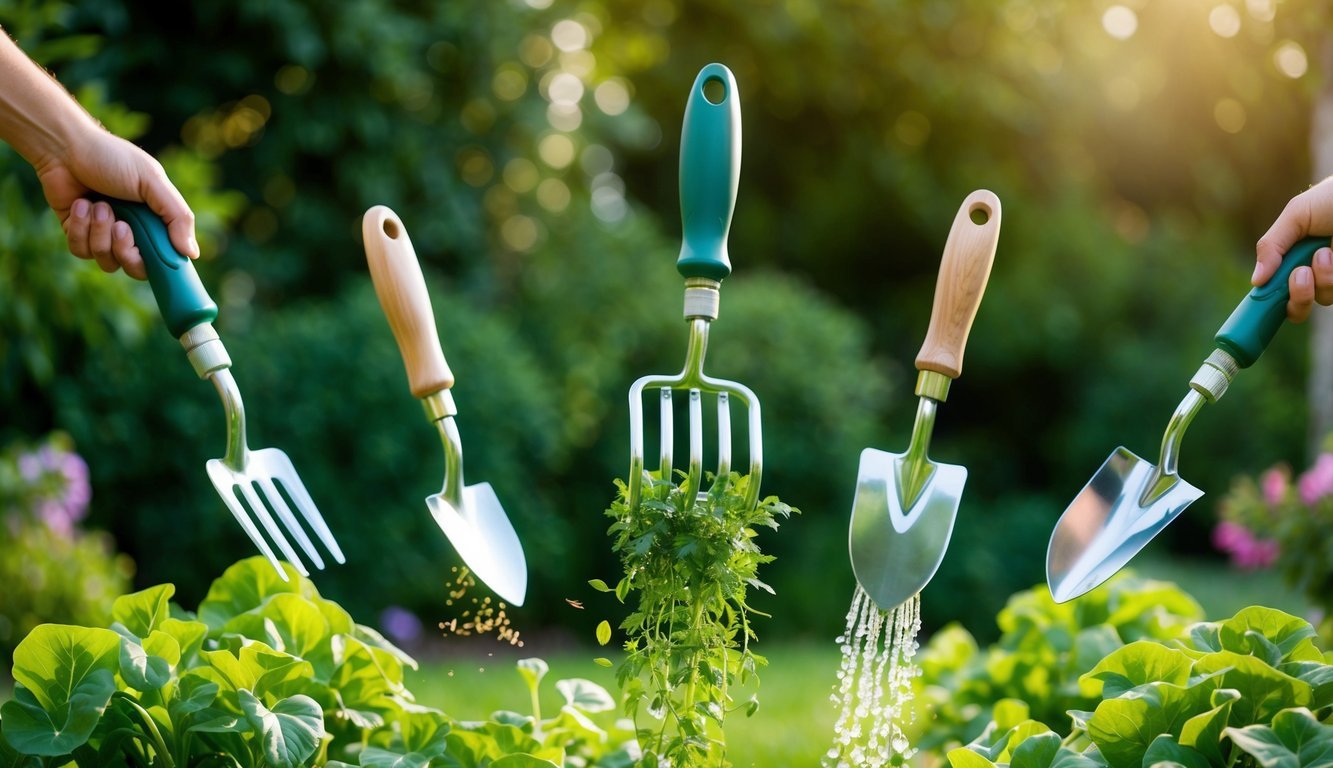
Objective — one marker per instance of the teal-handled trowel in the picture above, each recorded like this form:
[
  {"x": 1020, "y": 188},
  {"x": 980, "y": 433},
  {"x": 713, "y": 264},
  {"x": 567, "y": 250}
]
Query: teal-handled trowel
[
  {"x": 1129, "y": 500},
  {"x": 905, "y": 504}
]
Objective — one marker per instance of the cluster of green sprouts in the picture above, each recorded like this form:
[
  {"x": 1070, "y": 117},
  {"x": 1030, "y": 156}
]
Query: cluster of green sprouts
[{"x": 690, "y": 559}]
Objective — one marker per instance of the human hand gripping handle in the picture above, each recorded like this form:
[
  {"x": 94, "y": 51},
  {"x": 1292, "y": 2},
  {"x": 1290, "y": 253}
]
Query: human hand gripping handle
[
  {"x": 1256, "y": 319},
  {"x": 710, "y": 171},
  {"x": 180, "y": 295}
]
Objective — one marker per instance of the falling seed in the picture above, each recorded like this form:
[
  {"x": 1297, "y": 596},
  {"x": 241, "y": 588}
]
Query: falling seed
[{"x": 574, "y": 603}]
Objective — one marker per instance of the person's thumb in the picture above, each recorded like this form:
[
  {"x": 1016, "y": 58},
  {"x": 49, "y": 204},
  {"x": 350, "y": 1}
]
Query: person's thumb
[{"x": 165, "y": 200}]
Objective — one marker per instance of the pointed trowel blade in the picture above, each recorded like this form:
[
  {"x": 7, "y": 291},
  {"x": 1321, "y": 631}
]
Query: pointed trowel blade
[
  {"x": 1107, "y": 524},
  {"x": 485, "y": 539},
  {"x": 895, "y": 551}
]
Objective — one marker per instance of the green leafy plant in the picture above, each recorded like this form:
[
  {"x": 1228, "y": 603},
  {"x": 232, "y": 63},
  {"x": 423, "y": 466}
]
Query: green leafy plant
[
  {"x": 1043, "y": 650},
  {"x": 266, "y": 673},
  {"x": 1253, "y": 690},
  {"x": 1274, "y": 522},
  {"x": 690, "y": 560}
]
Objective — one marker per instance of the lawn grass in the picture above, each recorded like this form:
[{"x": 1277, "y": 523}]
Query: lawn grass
[{"x": 793, "y": 726}]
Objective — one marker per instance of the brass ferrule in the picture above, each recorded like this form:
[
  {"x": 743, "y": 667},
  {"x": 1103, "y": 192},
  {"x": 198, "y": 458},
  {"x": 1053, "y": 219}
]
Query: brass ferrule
[
  {"x": 934, "y": 385},
  {"x": 439, "y": 405},
  {"x": 1214, "y": 376}
]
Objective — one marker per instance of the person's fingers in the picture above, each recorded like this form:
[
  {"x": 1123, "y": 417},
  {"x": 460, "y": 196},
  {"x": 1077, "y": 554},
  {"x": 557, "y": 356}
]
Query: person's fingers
[
  {"x": 76, "y": 228},
  {"x": 1291, "y": 225},
  {"x": 1323, "y": 276},
  {"x": 99, "y": 234},
  {"x": 127, "y": 255},
  {"x": 166, "y": 201},
  {"x": 1301, "y": 286}
]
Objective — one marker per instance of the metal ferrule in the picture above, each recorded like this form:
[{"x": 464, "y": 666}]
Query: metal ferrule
[
  {"x": 702, "y": 298},
  {"x": 934, "y": 385},
  {"x": 1215, "y": 375},
  {"x": 205, "y": 350},
  {"x": 439, "y": 405}
]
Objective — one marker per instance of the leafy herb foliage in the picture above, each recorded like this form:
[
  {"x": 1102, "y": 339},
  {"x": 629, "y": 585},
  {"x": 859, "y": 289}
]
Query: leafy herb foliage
[{"x": 690, "y": 559}]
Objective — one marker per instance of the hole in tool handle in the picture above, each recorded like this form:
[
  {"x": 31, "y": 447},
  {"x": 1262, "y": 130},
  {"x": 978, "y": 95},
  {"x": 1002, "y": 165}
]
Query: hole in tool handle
[
  {"x": 391, "y": 229},
  {"x": 715, "y": 90},
  {"x": 980, "y": 213}
]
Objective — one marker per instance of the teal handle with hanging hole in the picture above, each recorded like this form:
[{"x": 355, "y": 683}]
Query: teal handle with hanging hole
[
  {"x": 710, "y": 171},
  {"x": 180, "y": 295},
  {"x": 1256, "y": 319}
]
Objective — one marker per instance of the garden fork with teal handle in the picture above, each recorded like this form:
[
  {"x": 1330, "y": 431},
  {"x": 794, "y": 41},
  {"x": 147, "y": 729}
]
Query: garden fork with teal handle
[
  {"x": 710, "y": 168},
  {"x": 1129, "y": 500},
  {"x": 251, "y": 482}
]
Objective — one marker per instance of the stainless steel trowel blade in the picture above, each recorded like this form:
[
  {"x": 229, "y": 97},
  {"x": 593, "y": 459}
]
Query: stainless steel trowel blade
[
  {"x": 896, "y": 549},
  {"x": 485, "y": 539},
  {"x": 1108, "y": 523}
]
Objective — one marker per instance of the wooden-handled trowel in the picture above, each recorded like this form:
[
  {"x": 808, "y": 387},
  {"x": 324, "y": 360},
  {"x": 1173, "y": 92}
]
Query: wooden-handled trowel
[
  {"x": 1129, "y": 500},
  {"x": 905, "y": 504},
  {"x": 471, "y": 516}
]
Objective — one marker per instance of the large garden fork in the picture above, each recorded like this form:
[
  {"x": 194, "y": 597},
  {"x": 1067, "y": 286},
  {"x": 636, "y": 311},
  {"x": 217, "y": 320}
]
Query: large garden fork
[{"x": 710, "y": 167}]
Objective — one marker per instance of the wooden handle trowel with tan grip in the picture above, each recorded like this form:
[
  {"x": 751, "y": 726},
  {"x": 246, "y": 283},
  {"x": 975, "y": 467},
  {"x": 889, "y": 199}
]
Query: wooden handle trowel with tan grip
[{"x": 471, "y": 516}]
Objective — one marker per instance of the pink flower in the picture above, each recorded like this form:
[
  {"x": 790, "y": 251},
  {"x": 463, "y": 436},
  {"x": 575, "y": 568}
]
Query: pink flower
[
  {"x": 1274, "y": 484},
  {"x": 1247, "y": 552},
  {"x": 1317, "y": 482}
]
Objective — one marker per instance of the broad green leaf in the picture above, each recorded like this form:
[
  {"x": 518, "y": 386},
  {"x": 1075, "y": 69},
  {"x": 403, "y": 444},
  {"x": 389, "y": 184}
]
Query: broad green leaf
[
  {"x": 585, "y": 695},
  {"x": 532, "y": 671},
  {"x": 374, "y": 757},
  {"x": 1139, "y": 663},
  {"x": 525, "y": 761},
  {"x": 35, "y": 730},
  {"x": 424, "y": 731},
  {"x": 258, "y": 668},
  {"x": 598, "y": 585},
  {"x": 1203, "y": 732},
  {"x": 366, "y": 676},
  {"x": 1164, "y": 749},
  {"x": 1207, "y": 636},
  {"x": 1124, "y": 727},
  {"x": 295, "y": 623},
  {"x": 1295, "y": 740},
  {"x": 373, "y": 639},
  {"x": 245, "y": 586},
  {"x": 602, "y": 661},
  {"x": 1264, "y": 690},
  {"x": 144, "y": 611},
  {"x": 1068, "y": 758},
  {"x": 289, "y": 732},
  {"x": 218, "y": 721},
  {"x": 963, "y": 757},
  {"x": 482, "y": 745},
  {"x": 1008, "y": 713},
  {"x": 1036, "y": 751},
  {"x": 164, "y": 646},
  {"x": 1091, "y": 645},
  {"x": 189, "y": 636},
  {"x": 604, "y": 632},
  {"x": 1320, "y": 677},
  {"x": 69, "y": 675},
  {"x": 141, "y": 670},
  {"x": 570, "y": 726},
  {"x": 1292, "y": 635},
  {"x": 194, "y": 694},
  {"x": 1018, "y": 736}
]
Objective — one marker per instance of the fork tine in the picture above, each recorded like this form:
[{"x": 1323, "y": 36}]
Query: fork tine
[
  {"x": 274, "y": 497},
  {"x": 257, "y": 507},
  {"x": 237, "y": 511},
  {"x": 696, "y": 440},
  {"x": 723, "y": 436},
  {"x": 291, "y": 482},
  {"x": 668, "y": 439}
]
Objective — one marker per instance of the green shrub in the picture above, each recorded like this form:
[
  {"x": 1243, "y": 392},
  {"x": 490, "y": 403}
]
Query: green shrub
[{"x": 51, "y": 568}]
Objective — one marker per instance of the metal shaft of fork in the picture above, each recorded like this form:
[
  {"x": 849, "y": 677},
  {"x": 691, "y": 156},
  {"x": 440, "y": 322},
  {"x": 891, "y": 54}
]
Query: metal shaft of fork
[
  {"x": 440, "y": 409},
  {"x": 210, "y": 360}
]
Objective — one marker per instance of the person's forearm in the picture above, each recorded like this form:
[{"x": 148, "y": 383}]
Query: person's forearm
[{"x": 38, "y": 117}]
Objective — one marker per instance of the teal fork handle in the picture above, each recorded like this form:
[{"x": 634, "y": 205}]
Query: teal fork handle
[
  {"x": 1256, "y": 319},
  {"x": 180, "y": 295},
  {"x": 710, "y": 171}
]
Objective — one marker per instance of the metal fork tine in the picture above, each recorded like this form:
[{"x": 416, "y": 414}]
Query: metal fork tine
[
  {"x": 723, "y": 436},
  {"x": 261, "y": 511},
  {"x": 291, "y": 482},
  {"x": 668, "y": 439},
  {"x": 237, "y": 511},
  {"x": 696, "y": 440},
  {"x": 279, "y": 505}
]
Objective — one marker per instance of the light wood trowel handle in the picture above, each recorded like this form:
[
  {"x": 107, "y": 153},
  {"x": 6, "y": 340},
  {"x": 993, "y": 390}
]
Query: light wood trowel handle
[
  {"x": 964, "y": 270},
  {"x": 402, "y": 292}
]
